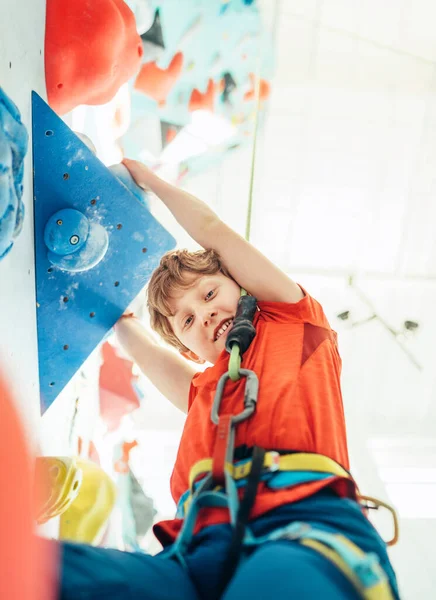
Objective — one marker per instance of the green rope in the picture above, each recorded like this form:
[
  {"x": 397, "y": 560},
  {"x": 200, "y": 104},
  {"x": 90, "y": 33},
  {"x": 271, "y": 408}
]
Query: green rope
[
  {"x": 253, "y": 155},
  {"x": 235, "y": 363},
  {"x": 235, "y": 356}
]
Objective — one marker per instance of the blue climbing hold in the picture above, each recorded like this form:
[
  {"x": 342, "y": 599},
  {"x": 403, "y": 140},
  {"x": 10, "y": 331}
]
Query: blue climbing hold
[
  {"x": 76, "y": 307},
  {"x": 13, "y": 149},
  {"x": 75, "y": 244},
  {"x": 66, "y": 231}
]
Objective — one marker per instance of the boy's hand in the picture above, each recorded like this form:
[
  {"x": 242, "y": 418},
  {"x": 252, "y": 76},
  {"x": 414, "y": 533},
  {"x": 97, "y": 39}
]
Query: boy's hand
[{"x": 142, "y": 175}]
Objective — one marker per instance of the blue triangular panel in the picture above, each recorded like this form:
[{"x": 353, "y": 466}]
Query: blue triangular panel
[{"x": 76, "y": 310}]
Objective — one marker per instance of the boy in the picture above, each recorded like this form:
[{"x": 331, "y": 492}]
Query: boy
[{"x": 193, "y": 299}]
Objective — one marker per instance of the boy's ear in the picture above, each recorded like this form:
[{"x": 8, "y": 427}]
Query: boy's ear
[{"x": 191, "y": 356}]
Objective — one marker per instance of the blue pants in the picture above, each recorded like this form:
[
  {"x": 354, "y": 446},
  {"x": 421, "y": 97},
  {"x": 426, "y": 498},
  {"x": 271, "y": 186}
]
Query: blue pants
[{"x": 280, "y": 570}]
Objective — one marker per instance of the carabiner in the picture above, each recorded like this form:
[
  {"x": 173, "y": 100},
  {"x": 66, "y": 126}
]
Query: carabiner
[{"x": 250, "y": 396}]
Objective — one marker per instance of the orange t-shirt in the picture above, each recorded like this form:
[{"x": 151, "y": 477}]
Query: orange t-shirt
[{"x": 299, "y": 407}]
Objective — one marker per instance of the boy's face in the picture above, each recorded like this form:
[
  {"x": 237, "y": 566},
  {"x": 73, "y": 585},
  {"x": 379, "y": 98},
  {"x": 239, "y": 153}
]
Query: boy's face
[{"x": 203, "y": 314}]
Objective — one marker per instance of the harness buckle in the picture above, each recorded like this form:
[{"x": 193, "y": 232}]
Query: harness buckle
[
  {"x": 296, "y": 531},
  {"x": 275, "y": 461}
]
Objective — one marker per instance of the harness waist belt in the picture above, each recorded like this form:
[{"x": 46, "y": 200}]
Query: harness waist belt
[{"x": 280, "y": 471}]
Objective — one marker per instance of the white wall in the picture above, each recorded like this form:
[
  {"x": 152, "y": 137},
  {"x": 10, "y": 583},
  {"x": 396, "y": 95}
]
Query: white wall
[{"x": 21, "y": 70}]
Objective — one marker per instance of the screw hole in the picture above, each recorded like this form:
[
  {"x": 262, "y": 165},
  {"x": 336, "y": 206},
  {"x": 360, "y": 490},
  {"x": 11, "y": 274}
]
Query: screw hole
[
  {"x": 50, "y": 270},
  {"x": 93, "y": 201},
  {"x": 65, "y": 298},
  {"x": 92, "y": 315},
  {"x": 117, "y": 283},
  {"x": 119, "y": 226},
  {"x": 49, "y": 133},
  {"x": 60, "y": 86},
  {"x": 66, "y": 176},
  {"x": 140, "y": 50},
  {"x": 144, "y": 250},
  {"x": 75, "y": 486},
  {"x": 51, "y": 384},
  {"x": 66, "y": 347},
  {"x": 10, "y": 65}
]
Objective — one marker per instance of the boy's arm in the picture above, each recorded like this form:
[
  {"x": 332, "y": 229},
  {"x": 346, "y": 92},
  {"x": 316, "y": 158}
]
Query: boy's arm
[
  {"x": 170, "y": 373},
  {"x": 249, "y": 267}
]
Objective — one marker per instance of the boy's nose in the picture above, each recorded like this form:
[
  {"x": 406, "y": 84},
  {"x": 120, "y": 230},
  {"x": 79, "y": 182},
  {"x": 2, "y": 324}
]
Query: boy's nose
[{"x": 208, "y": 316}]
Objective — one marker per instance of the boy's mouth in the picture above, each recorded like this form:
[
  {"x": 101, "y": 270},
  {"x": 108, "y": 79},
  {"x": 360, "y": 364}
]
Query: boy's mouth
[{"x": 221, "y": 328}]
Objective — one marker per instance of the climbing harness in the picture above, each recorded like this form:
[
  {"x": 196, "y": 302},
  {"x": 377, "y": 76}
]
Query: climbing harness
[{"x": 220, "y": 481}]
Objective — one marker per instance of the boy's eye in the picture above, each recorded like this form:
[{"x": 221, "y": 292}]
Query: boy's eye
[
  {"x": 209, "y": 295},
  {"x": 188, "y": 321}
]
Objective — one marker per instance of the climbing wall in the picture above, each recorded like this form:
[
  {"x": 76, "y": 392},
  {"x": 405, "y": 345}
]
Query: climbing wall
[
  {"x": 21, "y": 60},
  {"x": 66, "y": 334},
  {"x": 47, "y": 331}
]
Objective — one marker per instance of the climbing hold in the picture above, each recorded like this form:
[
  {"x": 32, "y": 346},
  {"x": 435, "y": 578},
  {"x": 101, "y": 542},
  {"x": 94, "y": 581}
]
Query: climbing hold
[
  {"x": 117, "y": 394},
  {"x": 85, "y": 518},
  {"x": 168, "y": 132},
  {"x": 91, "y": 453},
  {"x": 265, "y": 89},
  {"x": 154, "y": 34},
  {"x": 143, "y": 508},
  {"x": 152, "y": 39},
  {"x": 91, "y": 49},
  {"x": 229, "y": 84},
  {"x": 224, "y": 6},
  {"x": 123, "y": 174},
  {"x": 122, "y": 464},
  {"x": 74, "y": 243},
  {"x": 157, "y": 83},
  {"x": 13, "y": 148},
  {"x": 59, "y": 480},
  {"x": 199, "y": 101}
]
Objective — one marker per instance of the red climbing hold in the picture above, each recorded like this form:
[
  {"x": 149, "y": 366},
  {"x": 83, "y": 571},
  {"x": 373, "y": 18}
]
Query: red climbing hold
[
  {"x": 199, "y": 101},
  {"x": 91, "y": 49},
  {"x": 265, "y": 89},
  {"x": 117, "y": 395},
  {"x": 156, "y": 82}
]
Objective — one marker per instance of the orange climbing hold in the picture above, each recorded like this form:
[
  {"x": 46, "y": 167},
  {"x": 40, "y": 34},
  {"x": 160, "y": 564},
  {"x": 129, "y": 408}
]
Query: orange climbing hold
[
  {"x": 265, "y": 89},
  {"x": 122, "y": 464},
  {"x": 91, "y": 49},
  {"x": 157, "y": 83},
  {"x": 199, "y": 101}
]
